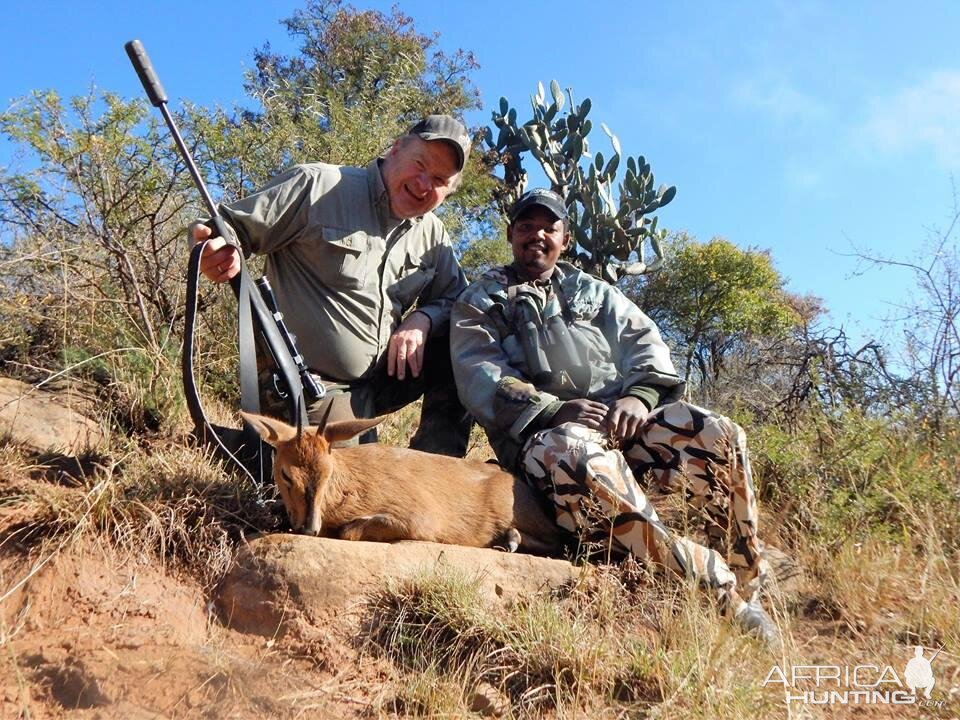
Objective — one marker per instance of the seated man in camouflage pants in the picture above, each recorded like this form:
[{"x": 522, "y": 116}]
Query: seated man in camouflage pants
[{"x": 561, "y": 369}]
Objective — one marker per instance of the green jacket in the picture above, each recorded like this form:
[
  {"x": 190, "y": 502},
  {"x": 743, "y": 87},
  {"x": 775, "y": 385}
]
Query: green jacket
[
  {"x": 520, "y": 349},
  {"x": 344, "y": 270}
]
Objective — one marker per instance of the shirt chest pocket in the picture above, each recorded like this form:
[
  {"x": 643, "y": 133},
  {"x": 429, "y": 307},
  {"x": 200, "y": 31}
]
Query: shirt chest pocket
[
  {"x": 344, "y": 258},
  {"x": 585, "y": 309},
  {"x": 413, "y": 278}
]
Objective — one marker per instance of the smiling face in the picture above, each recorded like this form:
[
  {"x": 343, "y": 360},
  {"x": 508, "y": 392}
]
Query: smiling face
[
  {"x": 418, "y": 175},
  {"x": 537, "y": 237}
]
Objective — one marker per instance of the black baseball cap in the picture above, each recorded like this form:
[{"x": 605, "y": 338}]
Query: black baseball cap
[
  {"x": 444, "y": 127},
  {"x": 544, "y": 198}
]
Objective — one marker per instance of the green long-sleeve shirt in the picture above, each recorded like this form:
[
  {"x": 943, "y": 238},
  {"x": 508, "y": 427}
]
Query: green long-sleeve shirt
[{"x": 343, "y": 269}]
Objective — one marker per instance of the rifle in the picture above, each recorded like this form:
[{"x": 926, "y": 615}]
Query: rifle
[{"x": 260, "y": 320}]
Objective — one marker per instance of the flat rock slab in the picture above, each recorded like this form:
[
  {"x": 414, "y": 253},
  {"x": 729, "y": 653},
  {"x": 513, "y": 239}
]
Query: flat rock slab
[
  {"x": 41, "y": 420},
  {"x": 277, "y": 578}
]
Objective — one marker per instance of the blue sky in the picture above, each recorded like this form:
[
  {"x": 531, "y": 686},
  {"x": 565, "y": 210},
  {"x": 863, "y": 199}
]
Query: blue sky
[{"x": 804, "y": 128}]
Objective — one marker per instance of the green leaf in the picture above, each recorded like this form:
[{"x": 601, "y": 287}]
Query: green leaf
[
  {"x": 657, "y": 247},
  {"x": 611, "y": 168},
  {"x": 613, "y": 138},
  {"x": 550, "y": 173},
  {"x": 557, "y": 94},
  {"x": 584, "y": 108},
  {"x": 577, "y": 148},
  {"x": 669, "y": 194},
  {"x": 488, "y": 137},
  {"x": 504, "y": 106},
  {"x": 598, "y": 160}
]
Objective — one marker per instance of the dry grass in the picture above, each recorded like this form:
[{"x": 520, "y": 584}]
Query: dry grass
[
  {"x": 623, "y": 644},
  {"x": 615, "y": 646},
  {"x": 165, "y": 499}
]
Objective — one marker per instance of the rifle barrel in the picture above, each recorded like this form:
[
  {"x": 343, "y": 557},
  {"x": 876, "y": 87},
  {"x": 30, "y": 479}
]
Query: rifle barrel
[{"x": 158, "y": 98}]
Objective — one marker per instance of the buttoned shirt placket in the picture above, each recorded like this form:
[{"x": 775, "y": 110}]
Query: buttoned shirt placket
[{"x": 391, "y": 229}]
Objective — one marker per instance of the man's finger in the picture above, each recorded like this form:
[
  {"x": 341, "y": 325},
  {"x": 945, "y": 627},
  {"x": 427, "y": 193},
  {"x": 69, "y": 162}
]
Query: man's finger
[
  {"x": 392, "y": 356},
  {"x": 216, "y": 253},
  {"x": 596, "y": 419},
  {"x": 416, "y": 360},
  {"x": 401, "y": 360},
  {"x": 214, "y": 246},
  {"x": 200, "y": 232},
  {"x": 593, "y": 422},
  {"x": 613, "y": 419}
]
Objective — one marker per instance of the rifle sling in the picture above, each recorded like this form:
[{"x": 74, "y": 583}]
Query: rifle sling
[{"x": 253, "y": 316}]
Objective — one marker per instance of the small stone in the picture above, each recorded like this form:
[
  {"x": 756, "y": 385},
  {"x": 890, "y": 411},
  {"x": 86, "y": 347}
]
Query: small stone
[{"x": 488, "y": 701}]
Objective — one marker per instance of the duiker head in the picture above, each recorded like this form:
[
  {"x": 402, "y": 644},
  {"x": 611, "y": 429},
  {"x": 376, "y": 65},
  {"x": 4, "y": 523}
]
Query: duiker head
[{"x": 303, "y": 465}]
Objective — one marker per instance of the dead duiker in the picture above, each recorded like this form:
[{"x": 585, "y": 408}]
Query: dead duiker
[{"x": 381, "y": 493}]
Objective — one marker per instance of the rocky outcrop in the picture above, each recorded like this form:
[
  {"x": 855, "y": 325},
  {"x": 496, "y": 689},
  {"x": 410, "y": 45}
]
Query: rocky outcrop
[
  {"x": 42, "y": 420},
  {"x": 282, "y": 577}
]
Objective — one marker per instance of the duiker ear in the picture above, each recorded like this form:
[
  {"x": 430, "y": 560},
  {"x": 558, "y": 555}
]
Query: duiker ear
[
  {"x": 271, "y": 431},
  {"x": 346, "y": 429}
]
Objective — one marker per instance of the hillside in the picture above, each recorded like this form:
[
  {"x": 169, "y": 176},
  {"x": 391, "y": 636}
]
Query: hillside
[{"x": 111, "y": 570}]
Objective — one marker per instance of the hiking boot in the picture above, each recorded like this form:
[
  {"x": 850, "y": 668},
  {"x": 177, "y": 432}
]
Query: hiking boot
[{"x": 754, "y": 620}]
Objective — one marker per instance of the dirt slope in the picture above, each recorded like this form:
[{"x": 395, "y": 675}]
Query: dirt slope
[{"x": 94, "y": 635}]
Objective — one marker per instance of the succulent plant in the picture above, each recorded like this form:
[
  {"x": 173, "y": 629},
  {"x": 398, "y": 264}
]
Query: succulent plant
[{"x": 608, "y": 219}]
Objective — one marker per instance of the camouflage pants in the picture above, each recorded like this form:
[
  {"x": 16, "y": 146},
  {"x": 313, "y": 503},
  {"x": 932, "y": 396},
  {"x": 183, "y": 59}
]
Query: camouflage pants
[{"x": 595, "y": 493}]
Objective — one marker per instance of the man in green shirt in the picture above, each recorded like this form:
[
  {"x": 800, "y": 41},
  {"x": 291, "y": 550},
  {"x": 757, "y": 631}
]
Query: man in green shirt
[
  {"x": 365, "y": 276},
  {"x": 578, "y": 396}
]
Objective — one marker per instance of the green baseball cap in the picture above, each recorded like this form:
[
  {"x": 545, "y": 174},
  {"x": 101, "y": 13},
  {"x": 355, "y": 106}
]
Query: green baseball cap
[{"x": 445, "y": 127}]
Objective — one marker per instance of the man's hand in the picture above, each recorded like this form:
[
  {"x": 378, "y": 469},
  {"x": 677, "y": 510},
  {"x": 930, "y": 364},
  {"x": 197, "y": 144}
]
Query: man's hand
[
  {"x": 626, "y": 417},
  {"x": 586, "y": 412},
  {"x": 220, "y": 262},
  {"x": 407, "y": 345}
]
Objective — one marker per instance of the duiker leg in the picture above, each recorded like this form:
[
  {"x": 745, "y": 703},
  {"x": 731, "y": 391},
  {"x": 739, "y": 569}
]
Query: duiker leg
[{"x": 376, "y": 528}]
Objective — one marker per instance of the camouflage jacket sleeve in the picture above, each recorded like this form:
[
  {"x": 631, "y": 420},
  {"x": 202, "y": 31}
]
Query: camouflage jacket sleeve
[
  {"x": 502, "y": 400},
  {"x": 644, "y": 363},
  {"x": 447, "y": 282}
]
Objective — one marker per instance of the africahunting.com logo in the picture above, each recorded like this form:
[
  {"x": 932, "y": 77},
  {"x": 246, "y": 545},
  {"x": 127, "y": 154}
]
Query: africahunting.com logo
[{"x": 862, "y": 684}]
